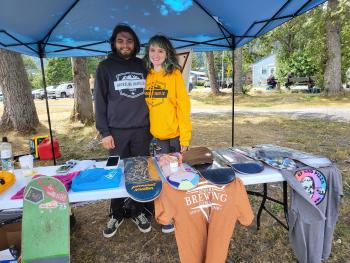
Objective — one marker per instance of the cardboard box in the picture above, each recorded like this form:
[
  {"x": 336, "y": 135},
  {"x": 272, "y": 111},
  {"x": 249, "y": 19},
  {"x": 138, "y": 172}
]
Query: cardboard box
[{"x": 10, "y": 234}]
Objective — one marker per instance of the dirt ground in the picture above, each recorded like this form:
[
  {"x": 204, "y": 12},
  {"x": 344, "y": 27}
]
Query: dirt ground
[{"x": 269, "y": 244}]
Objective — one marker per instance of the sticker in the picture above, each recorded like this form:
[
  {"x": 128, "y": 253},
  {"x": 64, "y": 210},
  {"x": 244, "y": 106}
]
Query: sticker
[
  {"x": 34, "y": 195},
  {"x": 51, "y": 191},
  {"x": 314, "y": 184},
  {"x": 48, "y": 205}
]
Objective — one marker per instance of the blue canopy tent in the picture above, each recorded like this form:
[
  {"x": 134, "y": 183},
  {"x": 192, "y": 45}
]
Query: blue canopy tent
[{"x": 68, "y": 28}]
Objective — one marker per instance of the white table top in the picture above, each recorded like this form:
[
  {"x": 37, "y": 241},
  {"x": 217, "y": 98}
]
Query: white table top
[{"x": 268, "y": 175}]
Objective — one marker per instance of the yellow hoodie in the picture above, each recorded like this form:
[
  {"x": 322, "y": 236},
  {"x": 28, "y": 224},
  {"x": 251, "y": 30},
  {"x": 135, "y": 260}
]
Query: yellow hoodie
[{"x": 169, "y": 106}]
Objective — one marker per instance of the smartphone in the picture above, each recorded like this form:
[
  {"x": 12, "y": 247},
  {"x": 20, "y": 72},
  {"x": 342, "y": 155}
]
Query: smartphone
[{"x": 113, "y": 161}]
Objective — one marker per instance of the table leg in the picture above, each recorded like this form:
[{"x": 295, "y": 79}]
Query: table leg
[
  {"x": 265, "y": 197},
  {"x": 262, "y": 206},
  {"x": 285, "y": 202}
]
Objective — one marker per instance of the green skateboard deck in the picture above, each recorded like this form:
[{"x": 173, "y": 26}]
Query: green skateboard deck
[{"x": 45, "y": 223}]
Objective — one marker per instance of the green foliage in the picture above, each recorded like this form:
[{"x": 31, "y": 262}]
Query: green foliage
[
  {"x": 58, "y": 70},
  {"x": 300, "y": 44},
  {"x": 197, "y": 61},
  {"x": 92, "y": 63},
  {"x": 200, "y": 83},
  {"x": 345, "y": 36},
  {"x": 33, "y": 71},
  {"x": 300, "y": 64},
  {"x": 223, "y": 63},
  {"x": 30, "y": 65},
  {"x": 36, "y": 81},
  {"x": 256, "y": 50}
]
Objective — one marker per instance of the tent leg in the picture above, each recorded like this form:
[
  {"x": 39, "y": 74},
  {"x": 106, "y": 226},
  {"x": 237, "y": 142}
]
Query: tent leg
[
  {"x": 47, "y": 108},
  {"x": 233, "y": 92}
]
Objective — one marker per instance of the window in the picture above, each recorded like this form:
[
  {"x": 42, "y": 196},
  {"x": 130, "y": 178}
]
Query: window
[{"x": 263, "y": 71}]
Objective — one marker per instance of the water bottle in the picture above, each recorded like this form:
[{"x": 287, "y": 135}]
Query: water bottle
[{"x": 6, "y": 155}]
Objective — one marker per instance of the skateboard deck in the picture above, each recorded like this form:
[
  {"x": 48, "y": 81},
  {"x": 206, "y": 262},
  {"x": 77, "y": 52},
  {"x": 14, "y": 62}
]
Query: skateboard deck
[
  {"x": 219, "y": 176},
  {"x": 182, "y": 176},
  {"x": 45, "y": 223},
  {"x": 142, "y": 178},
  {"x": 274, "y": 159},
  {"x": 316, "y": 161},
  {"x": 239, "y": 162}
]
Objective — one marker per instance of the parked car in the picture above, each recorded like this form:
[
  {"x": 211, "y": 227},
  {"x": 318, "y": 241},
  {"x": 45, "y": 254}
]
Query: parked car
[
  {"x": 38, "y": 94},
  {"x": 64, "y": 90},
  {"x": 51, "y": 92},
  {"x": 222, "y": 84},
  {"x": 1, "y": 96}
]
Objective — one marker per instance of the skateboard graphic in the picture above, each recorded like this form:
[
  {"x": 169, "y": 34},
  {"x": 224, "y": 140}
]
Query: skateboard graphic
[
  {"x": 314, "y": 183},
  {"x": 142, "y": 178},
  {"x": 178, "y": 175},
  {"x": 45, "y": 223},
  {"x": 239, "y": 162},
  {"x": 277, "y": 160},
  {"x": 315, "y": 161}
]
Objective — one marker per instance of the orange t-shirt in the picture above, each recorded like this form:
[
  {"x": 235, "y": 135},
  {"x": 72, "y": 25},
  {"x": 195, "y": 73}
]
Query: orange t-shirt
[{"x": 204, "y": 218}]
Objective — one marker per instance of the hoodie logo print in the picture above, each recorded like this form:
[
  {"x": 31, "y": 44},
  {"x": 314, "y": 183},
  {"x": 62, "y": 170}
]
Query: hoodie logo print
[
  {"x": 130, "y": 84},
  {"x": 156, "y": 93}
]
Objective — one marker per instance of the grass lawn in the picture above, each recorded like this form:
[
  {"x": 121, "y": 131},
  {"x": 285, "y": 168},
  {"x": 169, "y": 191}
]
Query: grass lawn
[{"x": 270, "y": 243}]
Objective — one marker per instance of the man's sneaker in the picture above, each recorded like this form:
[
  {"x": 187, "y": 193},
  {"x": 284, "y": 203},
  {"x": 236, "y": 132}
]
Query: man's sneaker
[
  {"x": 112, "y": 227},
  {"x": 168, "y": 228},
  {"x": 142, "y": 223}
]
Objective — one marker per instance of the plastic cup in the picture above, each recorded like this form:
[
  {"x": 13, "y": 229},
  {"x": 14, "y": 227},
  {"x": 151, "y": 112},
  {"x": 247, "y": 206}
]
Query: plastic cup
[
  {"x": 174, "y": 164},
  {"x": 26, "y": 162}
]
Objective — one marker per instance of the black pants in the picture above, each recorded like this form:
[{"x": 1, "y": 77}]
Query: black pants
[
  {"x": 129, "y": 143},
  {"x": 169, "y": 146},
  {"x": 166, "y": 146}
]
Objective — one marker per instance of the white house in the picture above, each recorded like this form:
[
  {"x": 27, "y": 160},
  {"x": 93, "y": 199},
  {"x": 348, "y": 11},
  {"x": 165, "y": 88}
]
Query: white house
[{"x": 262, "y": 69}]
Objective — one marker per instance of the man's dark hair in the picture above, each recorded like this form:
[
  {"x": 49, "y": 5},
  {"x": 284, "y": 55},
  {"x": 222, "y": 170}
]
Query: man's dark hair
[{"x": 124, "y": 28}]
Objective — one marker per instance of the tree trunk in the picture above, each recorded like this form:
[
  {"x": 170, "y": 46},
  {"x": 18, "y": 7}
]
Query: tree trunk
[
  {"x": 19, "y": 108},
  {"x": 211, "y": 70},
  {"x": 332, "y": 74},
  {"x": 83, "y": 110},
  {"x": 238, "y": 71}
]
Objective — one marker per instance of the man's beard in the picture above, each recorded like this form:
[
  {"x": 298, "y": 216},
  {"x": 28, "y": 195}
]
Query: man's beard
[{"x": 125, "y": 56}]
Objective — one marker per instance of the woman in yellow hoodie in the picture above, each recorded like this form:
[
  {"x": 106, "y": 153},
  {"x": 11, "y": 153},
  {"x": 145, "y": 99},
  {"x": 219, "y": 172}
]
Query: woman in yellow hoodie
[
  {"x": 167, "y": 99},
  {"x": 166, "y": 96}
]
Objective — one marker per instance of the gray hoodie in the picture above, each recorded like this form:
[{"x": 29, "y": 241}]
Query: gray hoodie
[{"x": 312, "y": 222}]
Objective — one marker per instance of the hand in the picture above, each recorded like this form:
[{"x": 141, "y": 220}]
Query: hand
[
  {"x": 184, "y": 148},
  {"x": 108, "y": 142}
]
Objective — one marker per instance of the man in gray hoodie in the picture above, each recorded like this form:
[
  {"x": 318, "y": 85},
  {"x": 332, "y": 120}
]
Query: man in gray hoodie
[{"x": 122, "y": 114}]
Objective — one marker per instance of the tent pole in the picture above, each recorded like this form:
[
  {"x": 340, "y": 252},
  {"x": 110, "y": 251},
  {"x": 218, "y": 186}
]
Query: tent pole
[
  {"x": 47, "y": 103},
  {"x": 233, "y": 90}
]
